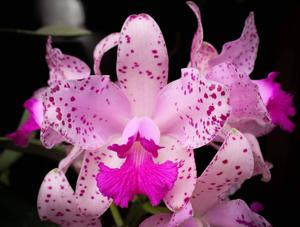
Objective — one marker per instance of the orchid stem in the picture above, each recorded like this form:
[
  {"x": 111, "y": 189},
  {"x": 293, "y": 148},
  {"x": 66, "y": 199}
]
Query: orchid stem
[
  {"x": 154, "y": 210},
  {"x": 116, "y": 215}
]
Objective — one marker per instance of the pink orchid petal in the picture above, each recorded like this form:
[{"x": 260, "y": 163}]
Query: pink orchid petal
[
  {"x": 198, "y": 36},
  {"x": 192, "y": 109},
  {"x": 279, "y": 103},
  {"x": 64, "y": 67},
  {"x": 201, "y": 52},
  {"x": 202, "y": 57},
  {"x": 158, "y": 220},
  {"x": 184, "y": 186},
  {"x": 88, "y": 196},
  {"x": 84, "y": 112},
  {"x": 56, "y": 202},
  {"x": 142, "y": 63},
  {"x": 249, "y": 113},
  {"x": 31, "y": 124},
  {"x": 234, "y": 213},
  {"x": 65, "y": 163},
  {"x": 232, "y": 165},
  {"x": 102, "y": 47},
  {"x": 181, "y": 216},
  {"x": 76, "y": 161},
  {"x": 194, "y": 222},
  {"x": 260, "y": 166},
  {"x": 241, "y": 52},
  {"x": 50, "y": 137}
]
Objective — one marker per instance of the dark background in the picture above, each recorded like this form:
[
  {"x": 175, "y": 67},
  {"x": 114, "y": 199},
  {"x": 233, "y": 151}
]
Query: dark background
[{"x": 23, "y": 70}]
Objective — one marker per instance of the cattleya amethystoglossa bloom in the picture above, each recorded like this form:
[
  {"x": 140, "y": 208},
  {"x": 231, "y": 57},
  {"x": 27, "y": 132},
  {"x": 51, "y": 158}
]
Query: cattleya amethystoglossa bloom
[
  {"x": 141, "y": 131},
  {"x": 209, "y": 204},
  {"x": 257, "y": 105}
]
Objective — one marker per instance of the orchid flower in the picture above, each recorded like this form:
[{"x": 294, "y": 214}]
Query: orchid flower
[
  {"x": 209, "y": 205},
  {"x": 151, "y": 126},
  {"x": 256, "y": 105}
]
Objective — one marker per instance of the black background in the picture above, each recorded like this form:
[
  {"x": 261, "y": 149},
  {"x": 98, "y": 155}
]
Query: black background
[{"x": 23, "y": 70}]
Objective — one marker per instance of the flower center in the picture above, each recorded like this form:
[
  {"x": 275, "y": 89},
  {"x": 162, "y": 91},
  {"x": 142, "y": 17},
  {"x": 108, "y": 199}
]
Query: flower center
[{"x": 139, "y": 174}]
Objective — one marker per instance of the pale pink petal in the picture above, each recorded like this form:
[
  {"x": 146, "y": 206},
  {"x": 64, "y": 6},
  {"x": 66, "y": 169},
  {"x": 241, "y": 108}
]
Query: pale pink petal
[
  {"x": 65, "y": 163},
  {"x": 249, "y": 113},
  {"x": 84, "y": 112},
  {"x": 62, "y": 66},
  {"x": 76, "y": 164},
  {"x": 158, "y": 220},
  {"x": 202, "y": 58},
  {"x": 198, "y": 36},
  {"x": 142, "y": 62},
  {"x": 241, "y": 52},
  {"x": 102, "y": 47},
  {"x": 181, "y": 216},
  {"x": 194, "y": 222},
  {"x": 56, "y": 202},
  {"x": 234, "y": 213},
  {"x": 192, "y": 109},
  {"x": 184, "y": 186},
  {"x": 201, "y": 52},
  {"x": 90, "y": 201},
  {"x": 279, "y": 103},
  {"x": 260, "y": 166},
  {"x": 50, "y": 137},
  {"x": 144, "y": 126},
  {"x": 232, "y": 165}
]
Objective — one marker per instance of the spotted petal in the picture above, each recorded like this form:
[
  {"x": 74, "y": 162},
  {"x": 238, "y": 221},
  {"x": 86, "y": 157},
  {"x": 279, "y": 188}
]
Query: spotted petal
[
  {"x": 260, "y": 166},
  {"x": 102, "y": 47},
  {"x": 192, "y": 109},
  {"x": 184, "y": 186},
  {"x": 62, "y": 66},
  {"x": 158, "y": 220},
  {"x": 232, "y": 165},
  {"x": 88, "y": 196},
  {"x": 249, "y": 113},
  {"x": 142, "y": 62},
  {"x": 84, "y": 112},
  {"x": 234, "y": 213},
  {"x": 56, "y": 202},
  {"x": 201, "y": 52},
  {"x": 169, "y": 220},
  {"x": 241, "y": 52}
]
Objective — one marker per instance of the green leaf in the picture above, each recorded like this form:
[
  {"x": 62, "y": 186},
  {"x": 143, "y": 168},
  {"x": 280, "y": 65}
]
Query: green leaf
[
  {"x": 53, "y": 30},
  {"x": 8, "y": 157},
  {"x": 4, "y": 177},
  {"x": 34, "y": 148},
  {"x": 61, "y": 30}
]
